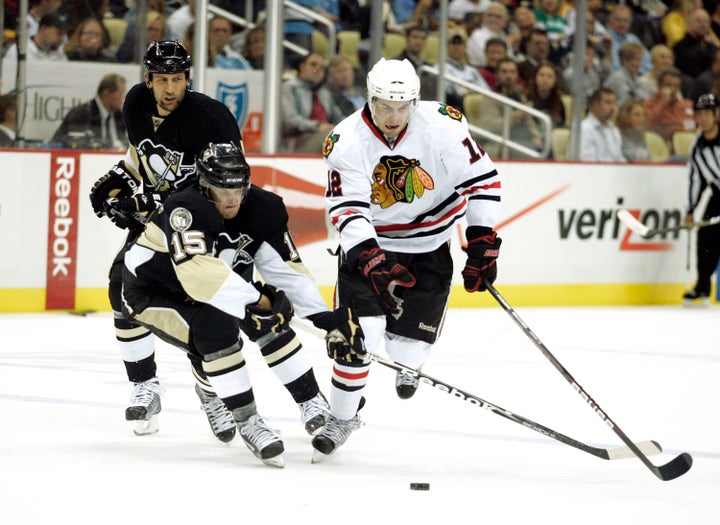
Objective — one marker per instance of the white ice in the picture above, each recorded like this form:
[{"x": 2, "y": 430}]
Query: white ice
[{"x": 67, "y": 455}]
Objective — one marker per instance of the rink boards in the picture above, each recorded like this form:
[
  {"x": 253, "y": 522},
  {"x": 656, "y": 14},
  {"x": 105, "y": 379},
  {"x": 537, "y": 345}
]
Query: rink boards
[{"x": 562, "y": 242}]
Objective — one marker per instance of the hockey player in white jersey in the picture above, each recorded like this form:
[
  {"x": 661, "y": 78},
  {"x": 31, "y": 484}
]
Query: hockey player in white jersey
[{"x": 401, "y": 174}]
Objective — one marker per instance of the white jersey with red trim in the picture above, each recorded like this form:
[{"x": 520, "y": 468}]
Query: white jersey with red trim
[{"x": 408, "y": 195}]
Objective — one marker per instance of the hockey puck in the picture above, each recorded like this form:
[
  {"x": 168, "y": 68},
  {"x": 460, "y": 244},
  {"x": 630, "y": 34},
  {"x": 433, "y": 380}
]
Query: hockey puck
[{"x": 419, "y": 486}]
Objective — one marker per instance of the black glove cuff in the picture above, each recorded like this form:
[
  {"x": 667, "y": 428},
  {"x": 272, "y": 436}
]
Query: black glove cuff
[
  {"x": 475, "y": 232},
  {"x": 324, "y": 321}
]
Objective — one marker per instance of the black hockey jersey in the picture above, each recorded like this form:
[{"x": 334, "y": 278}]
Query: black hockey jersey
[
  {"x": 188, "y": 250},
  {"x": 163, "y": 149}
]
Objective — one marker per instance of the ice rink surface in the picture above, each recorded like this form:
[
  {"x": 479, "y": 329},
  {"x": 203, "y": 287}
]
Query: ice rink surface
[{"x": 67, "y": 456}]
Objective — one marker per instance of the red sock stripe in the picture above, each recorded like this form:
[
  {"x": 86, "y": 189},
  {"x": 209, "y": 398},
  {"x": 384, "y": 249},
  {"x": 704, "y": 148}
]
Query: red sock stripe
[{"x": 349, "y": 376}]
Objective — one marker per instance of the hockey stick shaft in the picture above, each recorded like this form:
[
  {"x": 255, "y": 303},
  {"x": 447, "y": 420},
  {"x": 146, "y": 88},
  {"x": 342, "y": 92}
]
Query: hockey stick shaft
[
  {"x": 671, "y": 470},
  {"x": 615, "y": 453},
  {"x": 635, "y": 225},
  {"x": 650, "y": 447}
]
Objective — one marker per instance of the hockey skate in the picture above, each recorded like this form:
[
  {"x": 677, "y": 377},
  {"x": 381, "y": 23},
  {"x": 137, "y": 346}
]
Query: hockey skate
[
  {"x": 406, "y": 385},
  {"x": 314, "y": 413},
  {"x": 693, "y": 298},
  {"x": 262, "y": 441},
  {"x": 335, "y": 433},
  {"x": 221, "y": 420},
  {"x": 145, "y": 407}
]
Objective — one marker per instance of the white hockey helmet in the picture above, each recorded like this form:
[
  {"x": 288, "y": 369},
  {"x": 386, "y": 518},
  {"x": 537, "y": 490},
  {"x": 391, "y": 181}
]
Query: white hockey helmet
[{"x": 394, "y": 80}]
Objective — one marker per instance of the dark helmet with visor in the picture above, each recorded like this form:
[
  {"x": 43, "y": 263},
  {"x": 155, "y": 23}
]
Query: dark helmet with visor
[
  {"x": 167, "y": 57},
  {"x": 223, "y": 166}
]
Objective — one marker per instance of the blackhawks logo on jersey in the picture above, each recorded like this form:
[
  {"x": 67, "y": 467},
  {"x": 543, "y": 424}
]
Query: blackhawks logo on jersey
[
  {"x": 397, "y": 179},
  {"x": 450, "y": 112},
  {"x": 329, "y": 143}
]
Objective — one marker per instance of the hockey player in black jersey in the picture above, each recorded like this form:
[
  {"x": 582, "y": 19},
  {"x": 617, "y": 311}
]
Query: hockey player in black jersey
[
  {"x": 167, "y": 125},
  {"x": 183, "y": 279}
]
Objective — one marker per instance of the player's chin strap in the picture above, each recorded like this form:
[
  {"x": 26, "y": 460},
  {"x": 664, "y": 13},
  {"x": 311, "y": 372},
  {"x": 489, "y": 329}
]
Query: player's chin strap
[{"x": 647, "y": 447}]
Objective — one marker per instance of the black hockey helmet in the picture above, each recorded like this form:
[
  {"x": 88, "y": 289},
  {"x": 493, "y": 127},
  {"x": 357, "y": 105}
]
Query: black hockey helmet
[
  {"x": 223, "y": 166},
  {"x": 706, "y": 101},
  {"x": 167, "y": 57}
]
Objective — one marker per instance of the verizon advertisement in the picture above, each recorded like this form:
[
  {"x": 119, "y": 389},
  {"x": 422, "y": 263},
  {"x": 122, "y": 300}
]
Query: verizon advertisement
[{"x": 562, "y": 240}]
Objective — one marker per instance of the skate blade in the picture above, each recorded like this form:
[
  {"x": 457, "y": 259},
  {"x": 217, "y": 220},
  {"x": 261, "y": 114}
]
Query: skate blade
[
  {"x": 697, "y": 303},
  {"x": 277, "y": 462},
  {"x": 318, "y": 456},
  {"x": 145, "y": 427}
]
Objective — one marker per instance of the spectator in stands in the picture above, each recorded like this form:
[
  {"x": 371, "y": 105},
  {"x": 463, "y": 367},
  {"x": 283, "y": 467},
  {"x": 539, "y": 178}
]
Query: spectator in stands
[
  {"x": 459, "y": 9},
  {"x": 494, "y": 22},
  {"x": 595, "y": 71},
  {"x": 86, "y": 44},
  {"x": 341, "y": 83},
  {"x": 619, "y": 25},
  {"x": 492, "y": 113},
  {"x": 544, "y": 93},
  {"x": 538, "y": 51},
  {"x": 253, "y": 49},
  {"x": 674, "y": 23},
  {"x": 456, "y": 66},
  {"x": 75, "y": 11},
  {"x": 179, "y": 21},
  {"x": 668, "y": 112},
  {"x": 38, "y": 9},
  {"x": 298, "y": 28},
  {"x": 522, "y": 24},
  {"x": 632, "y": 121},
  {"x": 625, "y": 81},
  {"x": 156, "y": 31},
  {"x": 47, "y": 43},
  {"x": 694, "y": 53},
  {"x": 600, "y": 139},
  {"x": 425, "y": 13},
  {"x": 661, "y": 56},
  {"x": 308, "y": 109},
  {"x": 547, "y": 14},
  {"x": 220, "y": 54},
  {"x": 8, "y": 114},
  {"x": 98, "y": 123},
  {"x": 706, "y": 80},
  {"x": 495, "y": 51},
  {"x": 415, "y": 40}
]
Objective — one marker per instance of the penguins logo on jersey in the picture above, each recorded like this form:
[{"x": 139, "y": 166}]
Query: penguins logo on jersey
[
  {"x": 397, "y": 179},
  {"x": 164, "y": 168},
  {"x": 232, "y": 250},
  {"x": 450, "y": 112}
]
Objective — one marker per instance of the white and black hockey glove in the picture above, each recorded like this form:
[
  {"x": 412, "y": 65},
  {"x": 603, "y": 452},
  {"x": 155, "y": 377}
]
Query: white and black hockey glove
[
  {"x": 260, "y": 321},
  {"x": 120, "y": 182},
  {"x": 345, "y": 340},
  {"x": 127, "y": 213}
]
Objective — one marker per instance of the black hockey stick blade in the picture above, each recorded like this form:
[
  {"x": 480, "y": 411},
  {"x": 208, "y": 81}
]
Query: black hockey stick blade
[
  {"x": 647, "y": 447},
  {"x": 629, "y": 220},
  {"x": 671, "y": 470}
]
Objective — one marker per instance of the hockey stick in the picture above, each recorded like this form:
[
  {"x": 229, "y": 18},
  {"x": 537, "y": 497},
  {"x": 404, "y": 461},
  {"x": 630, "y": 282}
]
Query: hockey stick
[
  {"x": 671, "y": 470},
  {"x": 638, "y": 227},
  {"x": 649, "y": 447}
]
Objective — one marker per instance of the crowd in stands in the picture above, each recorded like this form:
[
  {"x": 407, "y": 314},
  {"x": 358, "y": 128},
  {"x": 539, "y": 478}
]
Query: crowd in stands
[{"x": 646, "y": 61}]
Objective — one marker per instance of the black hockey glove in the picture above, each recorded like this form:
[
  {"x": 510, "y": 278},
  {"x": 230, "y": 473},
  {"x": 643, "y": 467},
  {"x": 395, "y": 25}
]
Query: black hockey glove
[
  {"x": 483, "y": 249},
  {"x": 128, "y": 212},
  {"x": 259, "y": 321},
  {"x": 345, "y": 339},
  {"x": 119, "y": 183},
  {"x": 386, "y": 275}
]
